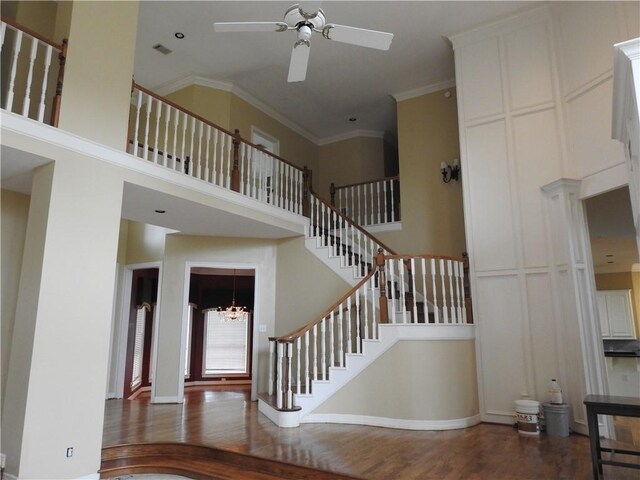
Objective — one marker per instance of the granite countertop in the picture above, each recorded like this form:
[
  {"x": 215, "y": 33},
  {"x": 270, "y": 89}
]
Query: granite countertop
[{"x": 621, "y": 348}]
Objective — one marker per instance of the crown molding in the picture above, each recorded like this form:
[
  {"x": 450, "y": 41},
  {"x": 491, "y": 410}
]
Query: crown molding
[
  {"x": 189, "y": 80},
  {"x": 349, "y": 135},
  {"x": 418, "y": 92}
]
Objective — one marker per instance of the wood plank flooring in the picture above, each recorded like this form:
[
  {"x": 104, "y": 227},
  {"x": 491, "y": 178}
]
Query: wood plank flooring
[{"x": 225, "y": 418}]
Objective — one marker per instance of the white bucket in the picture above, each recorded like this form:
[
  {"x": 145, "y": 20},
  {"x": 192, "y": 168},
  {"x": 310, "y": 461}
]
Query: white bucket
[{"x": 527, "y": 412}]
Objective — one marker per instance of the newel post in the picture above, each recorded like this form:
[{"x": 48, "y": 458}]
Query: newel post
[
  {"x": 55, "y": 108},
  {"x": 382, "y": 283},
  {"x": 235, "y": 172},
  {"x": 332, "y": 192},
  {"x": 306, "y": 192}
]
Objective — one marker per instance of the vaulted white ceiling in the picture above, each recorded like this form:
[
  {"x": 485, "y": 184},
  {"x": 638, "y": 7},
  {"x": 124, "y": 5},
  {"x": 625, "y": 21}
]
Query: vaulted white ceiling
[{"x": 342, "y": 80}]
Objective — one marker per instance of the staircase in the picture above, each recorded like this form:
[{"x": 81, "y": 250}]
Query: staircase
[{"x": 393, "y": 297}]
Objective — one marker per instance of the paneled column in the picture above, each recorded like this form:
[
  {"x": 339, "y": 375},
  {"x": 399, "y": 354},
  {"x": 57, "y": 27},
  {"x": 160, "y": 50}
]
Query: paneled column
[
  {"x": 574, "y": 300},
  {"x": 56, "y": 381}
]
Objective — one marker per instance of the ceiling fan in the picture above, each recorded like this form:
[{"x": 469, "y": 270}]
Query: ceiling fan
[{"x": 305, "y": 23}]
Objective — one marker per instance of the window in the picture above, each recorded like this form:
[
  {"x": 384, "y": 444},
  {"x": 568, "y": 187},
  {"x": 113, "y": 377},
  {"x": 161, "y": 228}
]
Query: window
[
  {"x": 225, "y": 344},
  {"x": 138, "y": 347}
]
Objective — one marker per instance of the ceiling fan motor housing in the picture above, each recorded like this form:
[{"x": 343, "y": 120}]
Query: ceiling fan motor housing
[{"x": 295, "y": 17}]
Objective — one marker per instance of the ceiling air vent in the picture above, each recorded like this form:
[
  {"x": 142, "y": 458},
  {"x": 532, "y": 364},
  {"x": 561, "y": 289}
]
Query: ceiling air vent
[{"x": 162, "y": 49}]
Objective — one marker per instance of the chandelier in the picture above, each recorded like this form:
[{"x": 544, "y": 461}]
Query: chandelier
[{"x": 233, "y": 312}]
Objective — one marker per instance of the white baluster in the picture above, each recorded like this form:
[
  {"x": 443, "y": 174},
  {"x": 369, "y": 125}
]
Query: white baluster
[
  {"x": 145, "y": 143},
  {"x": 323, "y": 336},
  {"x": 403, "y": 297},
  {"x": 340, "y": 335},
  {"x": 454, "y": 318},
  {"x": 298, "y": 346},
  {"x": 358, "y": 333},
  {"x": 289, "y": 348},
  {"x": 413, "y": 286},
  {"x": 26, "y": 103},
  {"x": 183, "y": 150},
  {"x": 156, "y": 140},
  {"x": 271, "y": 361},
  {"x": 445, "y": 313},
  {"x": 372, "y": 204},
  {"x": 393, "y": 203},
  {"x": 456, "y": 271},
  {"x": 277, "y": 197},
  {"x": 13, "y": 69},
  {"x": 462, "y": 294},
  {"x": 315, "y": 352},
  {"x": 279, "y": 393},
  {"x": 207, "y": 171},
  {"x": 332, "y": 353},
  {"x": 134, "y": 145},
  {"x": 436, "y": 312},
  {"x": 45, "y": 76},
  {"x": 165, "y": 151},
  {"x": 198, "y": 172},
  {"x": 425, "y": 302},
  {"x": 3, "y": 31},
  {"x": 306, "y": 363},
  {"x": 349, "y": 339},
  {"x": 378, "y": 202},
  {"x": 229, "y": 160},
  {"x": 214, "y": 159},
  {"x": 392, "y": 290},
  {"x": 385, "y": 212},
  {"x": 176, "y": 123},
  {"x": 374, "y": 324}
]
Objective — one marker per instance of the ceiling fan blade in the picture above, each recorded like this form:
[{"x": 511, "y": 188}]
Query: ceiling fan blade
[
  {"x": 358, "y": 36},
  {"x": 250, "y": 27},
  {"x": 299, "y": 61}
]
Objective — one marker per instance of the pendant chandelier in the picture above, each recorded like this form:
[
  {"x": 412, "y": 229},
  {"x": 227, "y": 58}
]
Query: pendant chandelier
[{"x": 233, "y": 312}]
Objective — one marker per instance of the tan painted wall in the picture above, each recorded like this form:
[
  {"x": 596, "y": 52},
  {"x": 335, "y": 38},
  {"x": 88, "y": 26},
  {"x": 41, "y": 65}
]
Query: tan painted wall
[
  {"x": 229, "y": 251},
  {"x": 432, "y": 215},
  {"x": 306, "y": 287},
  {"x": 293, "y": 147},
  {"x": 101, "y": 52},
  {"x": 350, "y": 161},
  {"x": 437, "y": 380},
  {"x": 623, "y": 281},
  {"x": 145, "y": 243},
  {"x": 14, "y": 211}
]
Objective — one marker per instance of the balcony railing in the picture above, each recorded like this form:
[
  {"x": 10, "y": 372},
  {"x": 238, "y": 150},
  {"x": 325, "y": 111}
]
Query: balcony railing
[
  {"x": 169, "y": 135},
  {"x": 374, "y": 202},
  {"x": 32, "y": 73}
]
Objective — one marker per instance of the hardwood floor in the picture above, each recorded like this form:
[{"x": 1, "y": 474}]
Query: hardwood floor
[{"x": 225, "y": 418}]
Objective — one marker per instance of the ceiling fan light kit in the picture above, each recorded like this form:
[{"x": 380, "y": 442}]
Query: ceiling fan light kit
[{"x": 305, "y": 23}]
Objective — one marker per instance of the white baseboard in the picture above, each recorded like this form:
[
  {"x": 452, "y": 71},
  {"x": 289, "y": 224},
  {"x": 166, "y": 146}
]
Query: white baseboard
[
  {"x": 173, "y": 399},
  {"x": 400, "y": 423},
  {"x": 93, "y": 476}
]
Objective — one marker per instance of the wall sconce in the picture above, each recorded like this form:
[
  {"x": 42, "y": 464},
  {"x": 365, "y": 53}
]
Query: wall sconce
[{"x": 450, "y": 172}]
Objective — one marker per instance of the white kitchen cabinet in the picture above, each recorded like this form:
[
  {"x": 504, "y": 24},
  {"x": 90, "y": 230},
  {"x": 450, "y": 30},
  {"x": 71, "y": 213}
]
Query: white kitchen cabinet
[{"x": 615, "y": 313}]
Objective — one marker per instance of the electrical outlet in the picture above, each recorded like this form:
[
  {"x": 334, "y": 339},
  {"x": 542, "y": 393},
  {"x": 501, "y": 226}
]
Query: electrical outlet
[
  {"x": 69, "y": 452},
  {"x": 262, "y": 328},
  {"x": 3, "y": 459}
]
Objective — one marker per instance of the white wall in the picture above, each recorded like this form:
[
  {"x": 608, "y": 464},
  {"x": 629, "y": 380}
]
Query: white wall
[{"x": 534, "y": 101}]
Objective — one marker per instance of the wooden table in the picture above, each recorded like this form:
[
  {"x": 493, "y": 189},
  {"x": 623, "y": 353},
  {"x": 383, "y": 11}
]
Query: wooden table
[{"x": 608, "y": 405}]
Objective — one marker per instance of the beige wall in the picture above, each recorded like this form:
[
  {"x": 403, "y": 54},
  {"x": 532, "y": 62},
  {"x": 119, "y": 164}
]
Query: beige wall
[
  {"x": 14, "y": 210},
  {"x": 101, "y": 52},
  {"x": 239, "y": 252},
  {"x": 413, "y": 380},
  {"x": 432, "y": 215},
  {"x": 293, "y": 147},
  {"x": 350, "y": 161},
  {"x": 209, "y": 103},
  {"x": 306, "y": 287},
  {"x": 623, "y": 281}
]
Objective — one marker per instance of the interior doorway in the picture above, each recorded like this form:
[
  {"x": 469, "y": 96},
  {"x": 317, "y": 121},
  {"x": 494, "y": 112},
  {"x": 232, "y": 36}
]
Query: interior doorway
[
  {"x": 218, "y": 346},
  {"x": 615, "y": 258},
  {"x": 138, "y": 372}
]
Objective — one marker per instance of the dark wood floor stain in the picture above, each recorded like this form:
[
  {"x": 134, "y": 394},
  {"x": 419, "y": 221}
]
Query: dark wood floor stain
[{"x": 226, "y": 419}]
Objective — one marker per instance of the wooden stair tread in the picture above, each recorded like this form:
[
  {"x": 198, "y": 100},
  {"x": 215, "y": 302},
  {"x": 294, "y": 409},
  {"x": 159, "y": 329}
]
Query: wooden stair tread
[{"x": 201, "y": 462}]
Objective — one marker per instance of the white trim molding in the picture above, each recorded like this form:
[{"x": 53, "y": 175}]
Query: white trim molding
[
  {"x": 349, "y": 135},
  {"x": 424, "y": 90},
  {"x": 401, "y": 423}
]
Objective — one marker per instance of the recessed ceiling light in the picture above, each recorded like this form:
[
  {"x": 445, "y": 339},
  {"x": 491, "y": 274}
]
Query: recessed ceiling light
[
  {"x": 352, "y": 119},
  {"x": 179, "y": 35},
  {"x": 161, "y": 211},
  {"x": 609, "y": 255},
  {"x": 611, "y": 262}
]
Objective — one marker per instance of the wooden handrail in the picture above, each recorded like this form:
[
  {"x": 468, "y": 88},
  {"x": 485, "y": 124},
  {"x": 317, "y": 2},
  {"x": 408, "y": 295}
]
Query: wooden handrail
[
  {"x": 28, "y": 31},
  {"x": 208, "y": 122},
  {"x": 358, "y": 227},
  {"x": 427, "y": 256},
  {"x": 366, "y": 182},
  {"x": 290, "y": 337}
]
